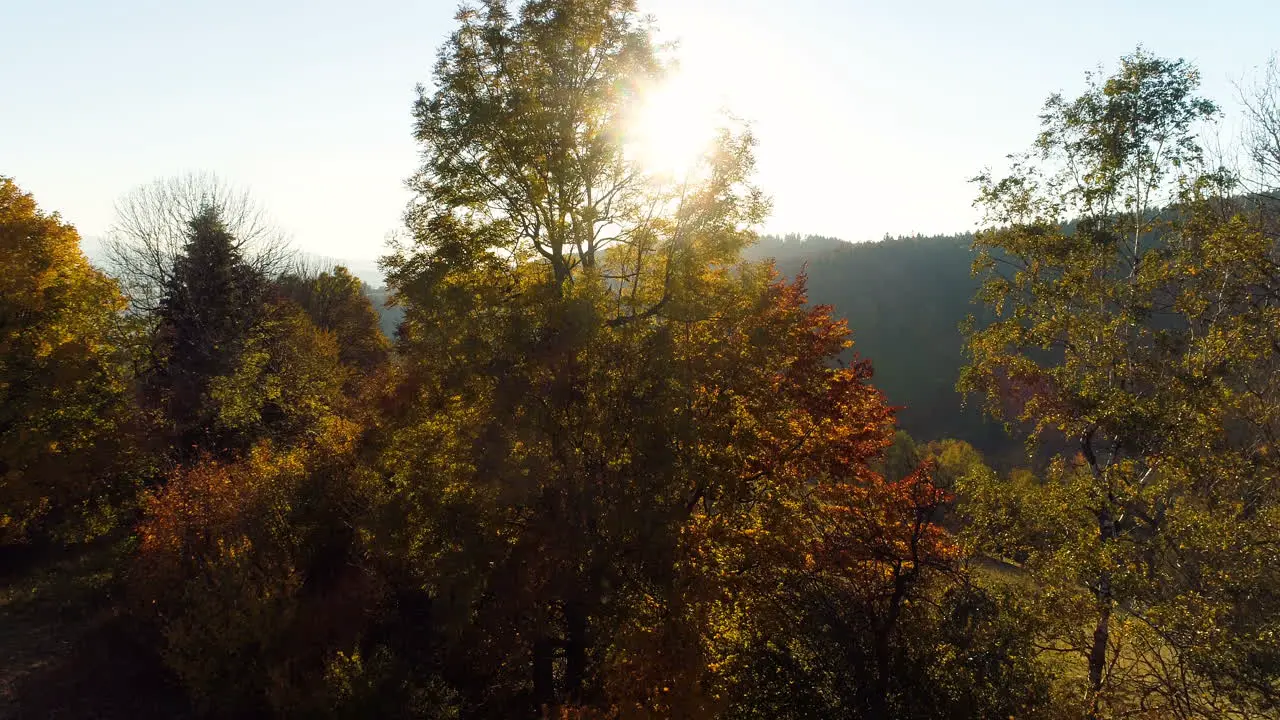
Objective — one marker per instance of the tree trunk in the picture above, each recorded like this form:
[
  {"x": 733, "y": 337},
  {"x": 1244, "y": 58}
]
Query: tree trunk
[
  {"x": 878, "y": 708},
  {"x": 575, "y": 650},
  {"x": 878, "y": 701},
  {"x": 560, "y": 271},
  {"x": 1102, "y": 630},
  {"x": 1098, "y": 659},
  {"x": 544, "y": 691}
]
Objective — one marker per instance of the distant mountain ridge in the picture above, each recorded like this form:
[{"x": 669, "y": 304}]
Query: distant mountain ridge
[{"x": 905, "y": 299}]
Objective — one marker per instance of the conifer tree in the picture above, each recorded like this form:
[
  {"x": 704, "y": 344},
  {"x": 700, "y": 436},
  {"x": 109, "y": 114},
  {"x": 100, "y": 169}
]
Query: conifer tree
[{"x": 209, "y": 309}]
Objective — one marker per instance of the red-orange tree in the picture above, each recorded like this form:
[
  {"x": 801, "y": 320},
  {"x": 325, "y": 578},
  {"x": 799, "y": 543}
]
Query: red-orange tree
[{"x": 249, "y": 571}]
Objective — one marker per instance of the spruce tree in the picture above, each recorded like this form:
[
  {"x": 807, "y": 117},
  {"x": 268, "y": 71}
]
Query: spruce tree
[{"x": 208, "y": 310}]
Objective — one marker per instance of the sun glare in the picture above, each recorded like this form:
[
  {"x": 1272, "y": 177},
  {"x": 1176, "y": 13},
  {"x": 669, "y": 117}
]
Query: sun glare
[{"x": 674, "y": 125}]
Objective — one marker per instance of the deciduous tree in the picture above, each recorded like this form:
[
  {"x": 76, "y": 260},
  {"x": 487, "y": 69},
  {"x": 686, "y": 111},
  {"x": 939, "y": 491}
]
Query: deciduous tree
[
  {"x": 620, "y": 447},
  {"x": 62, "y": 386},
  {"x": 335, "y": 301},
  {"x": 1124, "y": 273}
]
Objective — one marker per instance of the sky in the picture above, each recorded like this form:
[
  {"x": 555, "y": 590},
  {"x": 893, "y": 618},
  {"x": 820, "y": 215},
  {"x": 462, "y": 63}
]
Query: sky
[{"x": 870, "y": 116}]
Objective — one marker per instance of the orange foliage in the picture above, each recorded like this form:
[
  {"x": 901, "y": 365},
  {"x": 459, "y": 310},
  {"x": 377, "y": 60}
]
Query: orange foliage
[
  {"x": 231, "y": 570},
  {"x": 785, "y": 498}
]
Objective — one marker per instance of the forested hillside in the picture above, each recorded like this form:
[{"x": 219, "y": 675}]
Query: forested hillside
[
  {"x": 389, "y": 314},
  {"x": 906, "y": 300}
]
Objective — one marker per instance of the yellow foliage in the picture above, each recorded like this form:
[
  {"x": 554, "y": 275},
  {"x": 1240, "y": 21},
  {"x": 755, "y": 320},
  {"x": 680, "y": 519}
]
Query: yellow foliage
[{"x": 61, "y": 390}]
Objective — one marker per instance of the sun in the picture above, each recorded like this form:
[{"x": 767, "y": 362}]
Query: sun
[{"x": 674, "y": 125}]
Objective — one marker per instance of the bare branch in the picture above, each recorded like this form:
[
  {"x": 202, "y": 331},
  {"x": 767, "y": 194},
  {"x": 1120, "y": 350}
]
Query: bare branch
[{"x": 151, "y": 226}]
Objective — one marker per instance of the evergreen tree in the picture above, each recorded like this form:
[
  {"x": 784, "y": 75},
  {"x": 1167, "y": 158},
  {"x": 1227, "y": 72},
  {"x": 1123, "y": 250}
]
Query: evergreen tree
[{"x": 209, "y": 309}]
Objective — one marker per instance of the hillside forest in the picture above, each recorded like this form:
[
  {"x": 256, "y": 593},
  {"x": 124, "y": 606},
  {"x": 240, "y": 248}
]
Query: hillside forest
[{"x": 600, "y": 450}]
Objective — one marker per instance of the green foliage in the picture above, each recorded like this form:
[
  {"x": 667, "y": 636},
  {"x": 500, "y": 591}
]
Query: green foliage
[
  {"x": 287, "y": 378},
  {"x": 336, "y": 302},
  {"x": 522, "y": 128},
  {"x": 902, "y": 457},
  {"x": 1120, "y": 339},
  {"x": 523, "y": 139}
]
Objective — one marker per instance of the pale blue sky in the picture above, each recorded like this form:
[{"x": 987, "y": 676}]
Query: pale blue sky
[{"x": 870, "y": 115}]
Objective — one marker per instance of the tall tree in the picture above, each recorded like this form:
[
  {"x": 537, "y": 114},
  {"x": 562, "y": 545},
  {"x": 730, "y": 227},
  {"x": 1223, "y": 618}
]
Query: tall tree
[
  {"x": 524, "y": 139},
  {"x": 1120, "y": 339},
  {"x": 616, "y": 439},
  {"x": 211, "y": 305},
  {"x": 62, "y": 407}
]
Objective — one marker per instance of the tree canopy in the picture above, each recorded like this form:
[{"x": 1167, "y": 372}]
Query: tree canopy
[
  {"x": 1122, "y": 340},
  {"x": 623, "y": 458}
]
